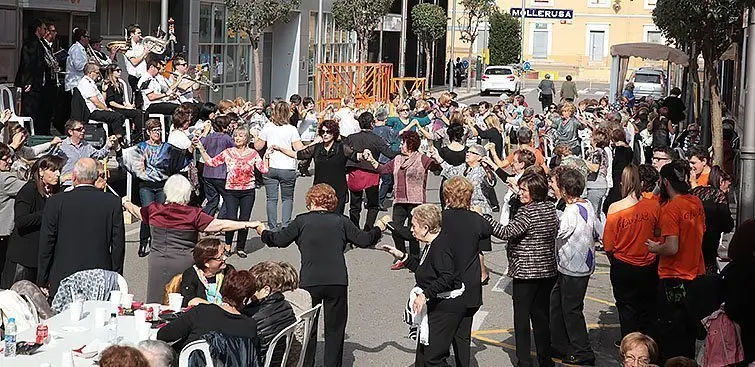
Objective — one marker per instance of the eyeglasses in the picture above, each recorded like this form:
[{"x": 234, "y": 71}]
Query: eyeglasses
[
  {"x": 634, "y": 361},
  {"x": 155, "y": 130},
  {"x": 181, "y": 64},
  {"x": 221, "y": 258}
]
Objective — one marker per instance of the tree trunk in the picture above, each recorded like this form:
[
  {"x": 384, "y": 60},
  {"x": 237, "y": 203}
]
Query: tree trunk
[
  {"x": 432, "y": 65},
  {"x": 469, "y": 69},
  {"x": 257, "y": 72},
  {"x": 716, "y": 120},
  {"x": 428, "y": 63},
  {"x": 362, "y": 44}
]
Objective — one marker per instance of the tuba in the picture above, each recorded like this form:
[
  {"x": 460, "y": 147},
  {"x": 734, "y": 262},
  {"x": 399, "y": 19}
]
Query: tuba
[{"x": 157, "y": 45}]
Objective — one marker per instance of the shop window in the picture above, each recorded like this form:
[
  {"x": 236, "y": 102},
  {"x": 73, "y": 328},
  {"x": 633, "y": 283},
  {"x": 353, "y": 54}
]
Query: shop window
[{"x": 205, "y": 11}]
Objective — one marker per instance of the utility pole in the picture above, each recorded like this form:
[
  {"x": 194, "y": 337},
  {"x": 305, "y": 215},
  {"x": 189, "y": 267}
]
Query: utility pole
[
  {"x": 746, "y": 208},
  {"x": 402, "y": 47},
  {"x": 452, "y": 64},
  {"x": 521, "y": 58}
]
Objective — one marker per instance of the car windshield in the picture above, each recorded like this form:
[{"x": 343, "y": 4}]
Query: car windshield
[
  {"x": 647, "y": 78},
  {"x": 498, "y": 72}
]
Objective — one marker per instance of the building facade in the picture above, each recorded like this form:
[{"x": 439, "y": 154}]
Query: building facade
[
  {"x": 574, "y": 36},
  {"x": 288, "y": 50}
]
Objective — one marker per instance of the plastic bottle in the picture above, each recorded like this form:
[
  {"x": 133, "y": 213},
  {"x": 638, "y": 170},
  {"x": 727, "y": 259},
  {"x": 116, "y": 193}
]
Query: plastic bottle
[
  {"x": 10, "y": 338},
  {"x": 112, "y": 328}
]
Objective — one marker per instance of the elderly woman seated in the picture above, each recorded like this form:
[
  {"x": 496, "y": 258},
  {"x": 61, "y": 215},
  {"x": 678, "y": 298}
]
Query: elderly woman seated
[
  {"x": 201, "y": 282},
  {"x": 174, "y": 228}
]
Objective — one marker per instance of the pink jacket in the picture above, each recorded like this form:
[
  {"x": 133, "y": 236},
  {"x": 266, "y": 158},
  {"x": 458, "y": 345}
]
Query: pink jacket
[{"x": 723, "y": 345}]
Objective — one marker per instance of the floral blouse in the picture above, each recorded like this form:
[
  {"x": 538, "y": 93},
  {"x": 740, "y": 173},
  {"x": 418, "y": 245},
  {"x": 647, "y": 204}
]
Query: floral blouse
[{"x": 241, "y": 164}]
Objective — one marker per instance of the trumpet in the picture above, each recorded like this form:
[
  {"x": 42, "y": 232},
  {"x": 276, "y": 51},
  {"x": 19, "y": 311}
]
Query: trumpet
[
  {"x": 119, "y": 46},
  {"x": 200, "y": 81}
]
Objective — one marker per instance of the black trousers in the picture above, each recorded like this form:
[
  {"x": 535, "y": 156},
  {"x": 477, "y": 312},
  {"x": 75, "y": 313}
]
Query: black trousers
[
  {"x": 402, "y": 213},
  {"x": 14, "y": 272},
  {"x": 31, "y": 106},
  {"x": 676, "y": 325},
  {"x": 114, "y": 120},
  {"x": 373, "y": 207},
  {"x": 532, "y": 303},
  {"x": 213, "y": 190},
  {"x": 335, "y": 308},
  {"x": 162, "y": 108},
  {"x": 443, "y": 326},
  {"x": 137, "y": 117},
  {"x": 133, "y": 82},
  {"x": 41, "y": 106},
  {"x": 238, "y": 206},
  {"x": 568, "y": 327},
  {"x": 547, "y": 99},
  {"x": 462, "y": 338},
  {"x": 342, "y": 198},
  {"x": 634, "y": 288},
  {"x": 62, "y": 110},
  {"x": 490, "y": 195}
]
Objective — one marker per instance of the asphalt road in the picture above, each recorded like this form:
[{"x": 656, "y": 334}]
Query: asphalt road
[
  {"x": 529, "y": 91},
  {"x": 376, "y": 335}
]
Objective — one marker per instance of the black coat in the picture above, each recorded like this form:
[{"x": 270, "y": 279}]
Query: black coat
[
  {"x": 32, "y": 67},
  {"x": 81, "y": 229},
  {"x": 438, "y": 274},
  {"x": 367, "y": 139},
  {"x": 23, "y": 247},
  {"x": 272, "y": 314},
  {"x": 192, "y": 287}
]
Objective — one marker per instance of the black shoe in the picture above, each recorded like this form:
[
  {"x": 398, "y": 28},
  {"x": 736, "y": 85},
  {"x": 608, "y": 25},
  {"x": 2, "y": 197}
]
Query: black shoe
[
  {"x": 496, "y": 209},
  {"x": 241, "y": 253},
  {"x": 571, "y": 359},
  {"x": 485, "y": 281}
]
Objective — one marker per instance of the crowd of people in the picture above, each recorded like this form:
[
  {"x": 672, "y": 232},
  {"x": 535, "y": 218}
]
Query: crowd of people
[{"x": 581, "y": 177}]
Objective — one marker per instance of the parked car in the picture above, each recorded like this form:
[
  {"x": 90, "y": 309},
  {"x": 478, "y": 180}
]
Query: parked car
[
  {"x": 504, "y": 79},
  {"x": 649, "y": 82}
]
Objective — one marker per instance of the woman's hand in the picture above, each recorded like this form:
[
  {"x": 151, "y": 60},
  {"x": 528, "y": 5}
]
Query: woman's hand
[
  {"x": 55, "y": 141},
  {"x": 260, "y": 228},
  {"x": 397, "y": 254},
  {"x": 5, "y": 116},
  {"x": 419, "y": 303}
]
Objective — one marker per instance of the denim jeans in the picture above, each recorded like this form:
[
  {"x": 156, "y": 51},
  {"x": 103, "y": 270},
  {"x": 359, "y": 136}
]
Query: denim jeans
[
  {"x": 214, "y": 188},
  {"x": 386, "y": 186},
  {"x": 286, "y": 179},
  {"x": 238, "y": 205},
  {"x": 148, "y": 195}
]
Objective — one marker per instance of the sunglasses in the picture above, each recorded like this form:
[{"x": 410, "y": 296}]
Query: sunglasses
[
  {"x": 404, "y": 110},
  {"x": 323, "y": 132},
  {"x": 79, "y": 129},
  {"x": 181, "y": 64}
]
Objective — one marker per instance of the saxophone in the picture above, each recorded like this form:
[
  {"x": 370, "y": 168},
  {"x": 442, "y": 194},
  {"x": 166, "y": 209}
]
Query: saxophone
[{"x": 53, "y": 64}]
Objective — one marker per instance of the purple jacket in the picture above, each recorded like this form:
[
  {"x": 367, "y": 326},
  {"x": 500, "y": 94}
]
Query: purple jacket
[{"x": 214, "y": 143}]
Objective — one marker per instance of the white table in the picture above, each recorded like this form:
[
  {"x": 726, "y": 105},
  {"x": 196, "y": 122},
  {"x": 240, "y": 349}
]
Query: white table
[{"x": 61, "y": 341}]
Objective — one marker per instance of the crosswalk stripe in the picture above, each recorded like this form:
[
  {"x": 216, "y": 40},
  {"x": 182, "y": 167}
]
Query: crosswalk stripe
[{"x": 477, "y": 321}]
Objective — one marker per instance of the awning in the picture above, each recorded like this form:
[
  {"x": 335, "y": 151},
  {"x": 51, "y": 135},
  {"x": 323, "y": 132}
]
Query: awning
[
  {"x": 63, "y": 5},
  {"x": 652, "y": 51}
]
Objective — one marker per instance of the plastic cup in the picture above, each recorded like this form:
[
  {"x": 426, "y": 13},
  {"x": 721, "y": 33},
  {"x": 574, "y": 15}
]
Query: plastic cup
[
  {"x": 75, "y": 309},
  {"x": 140, "y": 317},
  {"x": 127, "y": 300},
  {"x": 66, "y": 359},
  {"x": 100, "y": 317},
  {"x": 115, "y": 297},
  {"x": 174, "y": 301},
  {"x": 143, "y": 330}
]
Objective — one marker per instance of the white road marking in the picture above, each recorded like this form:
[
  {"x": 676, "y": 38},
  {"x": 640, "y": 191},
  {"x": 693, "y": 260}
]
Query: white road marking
[
  {"x": 133, "y": 231},
  {"x": 584, "y": 91},
  {"x": 477, "y": 320},
  {"x": 498, "y": 287}
]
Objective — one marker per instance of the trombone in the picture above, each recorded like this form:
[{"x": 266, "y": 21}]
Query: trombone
[{"x": 200, "y": 81}]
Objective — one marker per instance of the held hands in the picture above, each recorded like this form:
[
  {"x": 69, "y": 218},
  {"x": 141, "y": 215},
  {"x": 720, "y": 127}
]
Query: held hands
[
  {"x": 653, "y": 246},
  {"x": 397, "y": 254},
  {"x": 5, "y": 116},
  {"x": 367, "y": 155},
  {"x": 260, "y": 228}
]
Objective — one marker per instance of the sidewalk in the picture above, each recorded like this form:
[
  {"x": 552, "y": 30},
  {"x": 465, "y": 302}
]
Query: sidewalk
[{"x": 461, "y": 92}]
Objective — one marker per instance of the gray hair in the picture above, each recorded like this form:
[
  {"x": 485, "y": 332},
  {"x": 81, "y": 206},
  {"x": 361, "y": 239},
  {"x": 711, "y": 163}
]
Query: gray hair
[
  {"x": 85, "y": 171},
  {"x": 158, "y": 353},
  {"x": 177, "y": 190},
  {"x": 529, "y": 111}
]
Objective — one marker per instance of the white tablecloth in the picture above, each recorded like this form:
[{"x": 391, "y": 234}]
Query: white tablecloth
[{"x": 61, "y": 340}]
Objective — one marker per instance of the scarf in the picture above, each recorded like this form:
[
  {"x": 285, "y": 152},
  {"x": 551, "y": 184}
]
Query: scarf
[{"x": 213, "y": 294}]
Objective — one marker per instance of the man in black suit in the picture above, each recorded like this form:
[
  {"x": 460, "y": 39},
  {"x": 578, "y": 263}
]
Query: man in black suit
[
  {"x": 33, "y": 75},
  {"x": 675, "y": 106},
  {"x": 81, "y": 229}
]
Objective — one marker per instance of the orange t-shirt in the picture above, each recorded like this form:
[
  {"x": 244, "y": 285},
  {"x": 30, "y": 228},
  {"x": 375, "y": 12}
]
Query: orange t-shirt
[
  {"x": 703, "y": 179},
  {"x": 650, "y": 196},
  {"x": 539, "y": 159},
  {"x": 626, "y": 231},
  {"x": 683, "y": 216}
]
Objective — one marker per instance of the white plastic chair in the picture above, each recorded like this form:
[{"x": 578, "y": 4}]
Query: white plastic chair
[
  {"x": 199, "y": 345},
  {"x": 27, "y": 122},
  {"x": 308, "y": 318},
  {"x": 122, "y": 284},
  {"x": 288, "y": 333}
]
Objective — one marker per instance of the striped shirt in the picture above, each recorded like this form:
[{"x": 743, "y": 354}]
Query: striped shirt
[{"x": 531, "y": 236}]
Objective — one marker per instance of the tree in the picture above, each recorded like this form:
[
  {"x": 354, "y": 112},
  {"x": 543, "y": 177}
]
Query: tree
[
  {"x": 429, "y": 25},
  {"x": 252, "y": 17},
  {"x": 361, "y": 17},
  {"x": 474, "y": 12},
  {"x": 505, "y": 38},
  {"x": 711, "y": 26}
]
